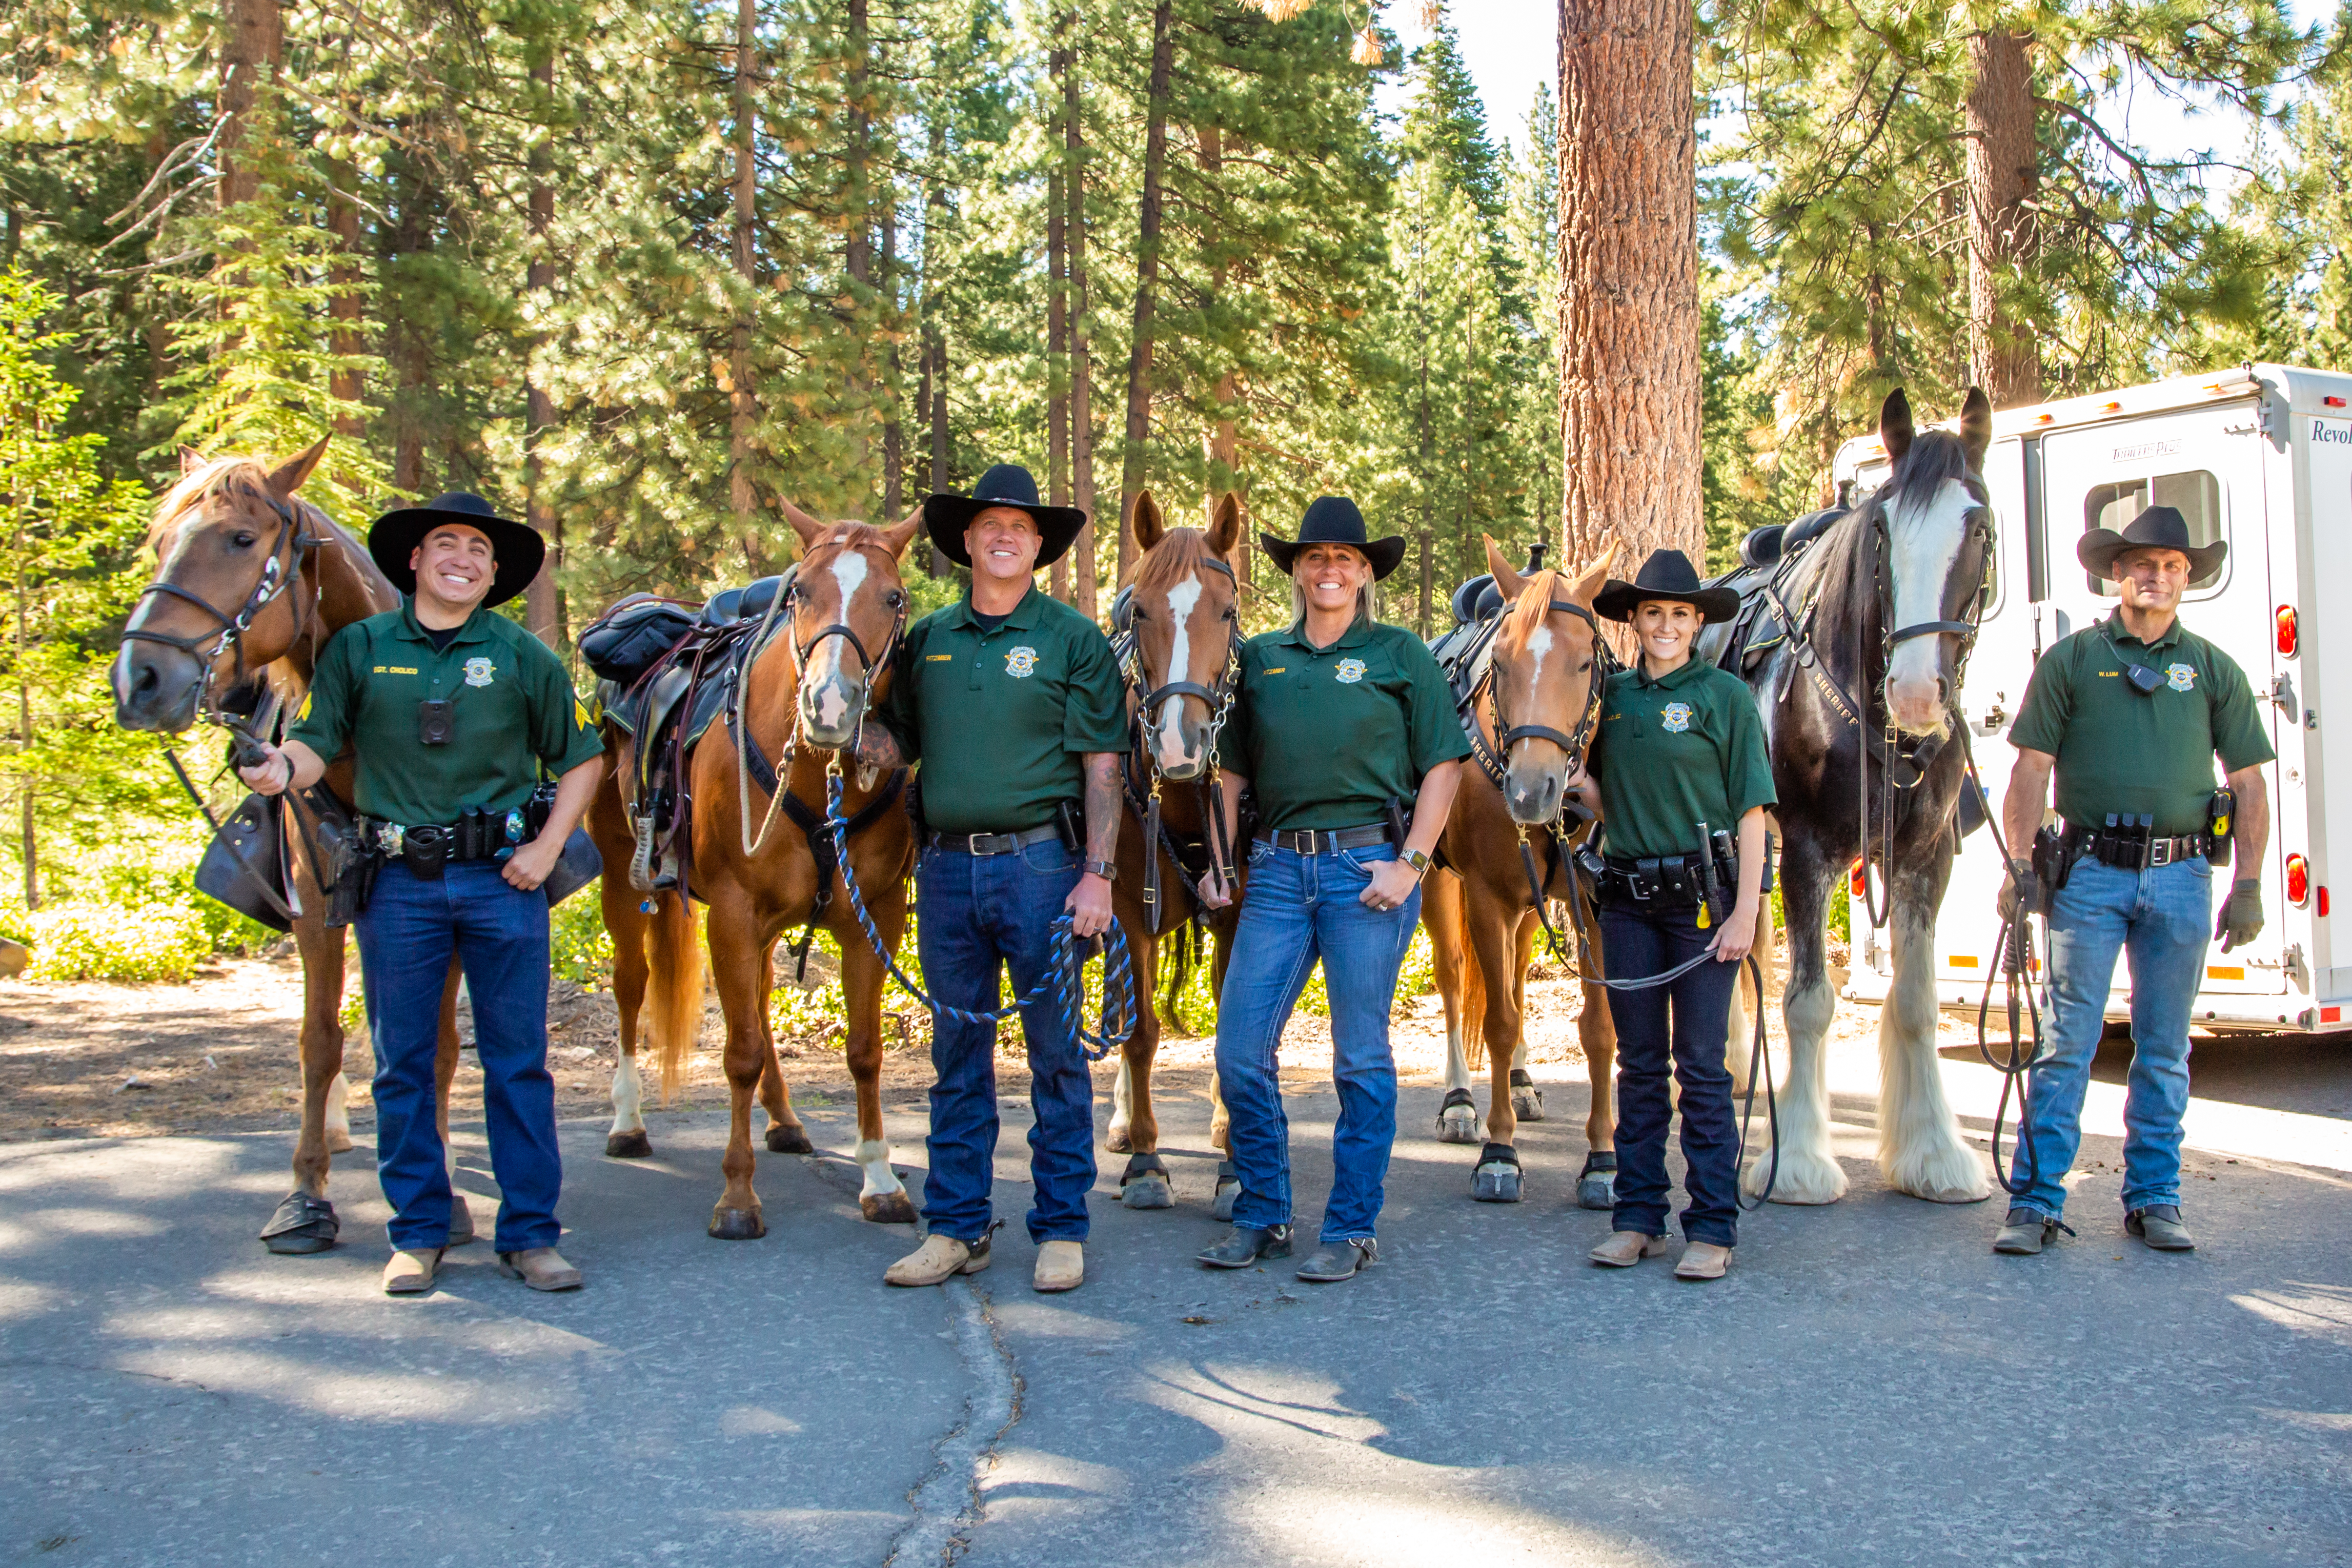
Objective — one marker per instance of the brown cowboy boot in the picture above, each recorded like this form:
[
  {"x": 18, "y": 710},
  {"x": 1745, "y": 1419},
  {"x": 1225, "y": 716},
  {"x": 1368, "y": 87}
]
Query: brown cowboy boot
[
  {"x": 540, "y": 1267},
  {"x": 411, "y": 1273}
]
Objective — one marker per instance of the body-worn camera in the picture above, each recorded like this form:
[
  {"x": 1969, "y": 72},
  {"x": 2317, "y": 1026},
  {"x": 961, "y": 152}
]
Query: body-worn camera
[{"x": 436, "y": 721}]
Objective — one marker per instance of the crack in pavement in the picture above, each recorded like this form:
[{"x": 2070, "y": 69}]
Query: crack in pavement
[{"x": 946, "y": 1501}]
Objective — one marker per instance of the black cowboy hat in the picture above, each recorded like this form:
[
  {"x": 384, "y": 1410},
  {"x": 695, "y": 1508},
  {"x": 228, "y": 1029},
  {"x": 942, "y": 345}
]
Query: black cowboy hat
[
  {"x": 2159, "y": 528},
  {"x": 516, "y": 548},
  {"x": 946, "y": 517},
  {"x": 1667, "y": 574},
  {"x": 1334, "y": 520}
]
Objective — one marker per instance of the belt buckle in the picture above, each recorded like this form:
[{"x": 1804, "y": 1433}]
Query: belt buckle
[{"x": 2160, "y": 852}]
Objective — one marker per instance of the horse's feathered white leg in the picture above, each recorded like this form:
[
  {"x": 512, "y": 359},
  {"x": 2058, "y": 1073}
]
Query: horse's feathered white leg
[
  {"x": 339, "y": 1114},
  {"x": 1919, "y": 1143},
  {"x": 1122, "y": 1111},
  {"x": 1808, "y": 1172}
]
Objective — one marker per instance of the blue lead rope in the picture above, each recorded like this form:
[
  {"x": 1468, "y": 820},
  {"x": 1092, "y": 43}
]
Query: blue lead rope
[{"x": 1064, "y": 976}]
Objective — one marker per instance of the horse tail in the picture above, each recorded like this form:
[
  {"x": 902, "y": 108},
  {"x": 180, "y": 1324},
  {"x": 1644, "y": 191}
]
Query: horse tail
[{"x": 673, "y": 986}]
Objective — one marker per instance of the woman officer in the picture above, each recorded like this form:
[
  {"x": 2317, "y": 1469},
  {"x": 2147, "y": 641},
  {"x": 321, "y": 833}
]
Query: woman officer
[
  {"x": 1679, "y": 745},
  {"x": 1343, "y": 725}
]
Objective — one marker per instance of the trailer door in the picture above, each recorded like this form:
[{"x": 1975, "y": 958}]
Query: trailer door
[{"x": 2207, "y": 462}]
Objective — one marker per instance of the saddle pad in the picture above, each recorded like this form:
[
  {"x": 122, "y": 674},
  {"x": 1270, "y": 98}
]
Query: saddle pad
[{"x": 632, "y": 637}]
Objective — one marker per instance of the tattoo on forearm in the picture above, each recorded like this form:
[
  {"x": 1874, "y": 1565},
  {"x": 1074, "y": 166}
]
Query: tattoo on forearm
[
  {"x": 876, "y": 748},
  {"x": 1102, "y": 808}
]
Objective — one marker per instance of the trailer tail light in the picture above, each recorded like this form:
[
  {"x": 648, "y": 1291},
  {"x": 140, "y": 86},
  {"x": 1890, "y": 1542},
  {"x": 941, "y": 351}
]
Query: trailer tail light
[
  {"x": 2286, "y": 630},
  {"x": 2333, "y": 402},
  {"x": 2323, "y": 903},
  {"x": 2298, "y": 881},
  {"x": 1857, "y": 880}
]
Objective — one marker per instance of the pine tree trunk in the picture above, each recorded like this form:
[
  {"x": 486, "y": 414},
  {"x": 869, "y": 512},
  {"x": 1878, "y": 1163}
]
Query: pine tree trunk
[
  {"x": 744, "y": 409},
  {"x": 2003, "y": 357},
  {"x": 1629, "y": 318},
  {"x": 543, "y": 600},
  {"x": 894, "y": 429},
  {"x": 1057, "y": 348},
  {"x": 1147, "y": 278},
  {"x": 253, "y": 40},
  {"x": 1224, "y": 443},
  {"x": 1082, "y": 429},
  {"x": 25, "y": 712},
  {"x": 934, "y": 409},
  {"x": 859, "y": 257},
  {"x": 346, "y": 309}
]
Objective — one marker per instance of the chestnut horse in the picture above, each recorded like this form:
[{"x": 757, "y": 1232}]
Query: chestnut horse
[
  {"x": 251, "y": 583},
  {"x": 1533, "y": 713},
  {"x": 804, "y": 694},
  {"x": 1178, "y": 630}
]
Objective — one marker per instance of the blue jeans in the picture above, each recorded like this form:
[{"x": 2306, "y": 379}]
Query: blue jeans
[
  {"x": 975, "y": 917},
  {"x": 1298, "y": 908},
  {"x": 1685, "y": 1020},
  {"x": 500, "y": 935},
  {"x": 2163, "y": 918}
]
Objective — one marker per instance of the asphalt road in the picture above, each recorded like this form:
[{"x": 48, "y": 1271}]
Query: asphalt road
[{"x": 1870, "y": 1386}]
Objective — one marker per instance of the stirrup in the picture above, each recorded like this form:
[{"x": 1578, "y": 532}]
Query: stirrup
[{"x": 641, "y": 867}]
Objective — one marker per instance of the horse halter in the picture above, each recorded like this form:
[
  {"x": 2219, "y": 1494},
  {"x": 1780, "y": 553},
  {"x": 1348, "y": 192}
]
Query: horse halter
[
  {"x": 230, "y": 637},
  {"x": 1508, "y": 735},
  {"x": 790, "y": 594},
  {"x": 1219, "y": 698}
]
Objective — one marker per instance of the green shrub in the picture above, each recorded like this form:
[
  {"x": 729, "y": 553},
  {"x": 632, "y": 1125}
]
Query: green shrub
[
  {"x": 579, "y": 949},
  {"x": 159, "y": 870},
  {"x": 91, "y": 941}
]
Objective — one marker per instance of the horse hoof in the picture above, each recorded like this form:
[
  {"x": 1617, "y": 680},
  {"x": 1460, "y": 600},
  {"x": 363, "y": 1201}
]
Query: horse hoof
[
  {"x": 1229, "y": 1188},
  {"x": 737, "y": 1225},
  {"x": 1148, "y": 1192},
  {"x": 1597, "y": 1190},
  {"x": 1527, "y": 1104},
  {"x": 294, "y": 1245},
  {"x": 301, "y": 1225},
  {"x": 461, "y": 1220},
  {"x": 1496, "y": 1184},
  {"x": 339, "y": 1141},
  {"x": 1457, "y": 1119},
  {"x": 628, "y": 1145},
  {"x": 1117, "y": 1140},
  {"x": 887, "y": 1207},
  {"x": 789, "y": 1138}
]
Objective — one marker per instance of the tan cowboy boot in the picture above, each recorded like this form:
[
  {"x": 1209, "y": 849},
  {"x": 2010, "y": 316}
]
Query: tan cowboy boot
[
  {"x": 540, "y": 1267},
  {"x": 1626, "y": 1248},
  {"x": 938, "y": 1259},
  {"x": 411, "y": 1273},
  {"x": 1703, "y": 1260},
  {"x": 1061, "y": 1265}
]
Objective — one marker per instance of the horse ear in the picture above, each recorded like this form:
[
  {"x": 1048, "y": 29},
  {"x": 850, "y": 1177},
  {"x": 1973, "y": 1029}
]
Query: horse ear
[
  {"x": 1225, "y": 524},
  {"x": 1148, "y": 524},
  {"x": 808, "y": 528},
  {"x": 901, "y": 534},
  {"x": 1595, "y": 576},
  {"x": 1976, "y": 426},
  {"x": 190, "y": 461},
  {"x": 1506, "y": 579},
  {"x": 288, "y": 476},
  {"x": 1894, "y": 425}
]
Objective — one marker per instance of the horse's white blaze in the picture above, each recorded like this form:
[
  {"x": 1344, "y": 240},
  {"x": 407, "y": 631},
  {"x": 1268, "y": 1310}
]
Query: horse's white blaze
[
  {"x": 1539, "y": 644},
  {"x": 874, "y": 1154},
  {"x": 1919, "y": 1145},
  {"x": 1170, "y": 729},
  {"x": 1924, "y": 543},
  {"x": 829, "y": 693},
  {"x": 339, "y": 1105},
  {"x": 628, "y": 1096}
]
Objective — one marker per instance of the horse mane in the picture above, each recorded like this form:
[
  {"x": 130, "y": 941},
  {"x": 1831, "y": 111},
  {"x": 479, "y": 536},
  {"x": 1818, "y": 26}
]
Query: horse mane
[
  {"x": 1935, "y": 459},
  {"x": 214, "y": 477},
  {"x": 1178, "y": 552},
  {"x": 1530, "y": 610}
]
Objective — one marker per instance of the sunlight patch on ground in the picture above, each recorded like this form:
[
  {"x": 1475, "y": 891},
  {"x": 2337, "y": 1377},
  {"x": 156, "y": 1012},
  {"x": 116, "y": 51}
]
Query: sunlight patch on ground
[
  {"x": 2323, "y": 1311},
  {"x": 471, "y": 1399},
  {"x": 752, "y": 1421}
]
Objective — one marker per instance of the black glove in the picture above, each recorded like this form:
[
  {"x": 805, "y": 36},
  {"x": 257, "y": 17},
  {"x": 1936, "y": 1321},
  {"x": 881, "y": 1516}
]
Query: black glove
[
  {"x": 2242, "y": 916},
  {"x": 2022, "y": 889}
]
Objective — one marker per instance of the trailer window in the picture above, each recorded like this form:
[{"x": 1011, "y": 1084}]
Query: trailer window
[{"x": 2196, "y": 494}]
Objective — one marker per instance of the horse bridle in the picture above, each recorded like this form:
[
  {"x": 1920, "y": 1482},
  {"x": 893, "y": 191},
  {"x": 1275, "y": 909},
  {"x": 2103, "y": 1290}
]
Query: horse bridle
[
  {"x": 1219, "y": 699},
  {"x": 1496, "y": 760},
  {"x": 230, "y": 636}
]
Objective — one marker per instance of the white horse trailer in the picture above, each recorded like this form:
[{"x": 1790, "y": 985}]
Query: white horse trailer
[{"x": 2261, "y": 456}]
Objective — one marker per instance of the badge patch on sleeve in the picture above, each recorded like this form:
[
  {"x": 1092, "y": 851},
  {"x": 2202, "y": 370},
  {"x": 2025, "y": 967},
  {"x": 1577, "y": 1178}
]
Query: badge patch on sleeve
[
  {"x": 1348, "y": 671},
  {"x": 1020, "y": 662},
  {"x": 2180, "y": 677},
  {"x": 478, "y": 672},
  {"x": 1676, "y": 718}
]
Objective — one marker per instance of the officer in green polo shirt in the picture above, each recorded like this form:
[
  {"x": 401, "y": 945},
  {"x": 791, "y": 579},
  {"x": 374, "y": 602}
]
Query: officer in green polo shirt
[
  {"x": 451, "y": 714},
  {"x": 1011, "y": 708},
  {"x": 1345, "y": 731},
  {"x": 2129, "y": 714},
  {"x": 1680, "y": 761}
]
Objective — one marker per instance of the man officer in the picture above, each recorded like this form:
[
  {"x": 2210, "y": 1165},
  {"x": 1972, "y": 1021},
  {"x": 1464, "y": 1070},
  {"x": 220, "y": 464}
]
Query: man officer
[
  {"x": 1012, "y": 704},
  {"x": 450, "y": 712},
  {"x": 2129, "y": 713}
]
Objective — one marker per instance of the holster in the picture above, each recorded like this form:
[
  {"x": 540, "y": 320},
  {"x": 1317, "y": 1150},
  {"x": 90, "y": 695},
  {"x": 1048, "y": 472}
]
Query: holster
[
  {"x": 426, "y": 850},
  {"x": 2053, "y": 863},
  {"x": 341, "y": 855}
]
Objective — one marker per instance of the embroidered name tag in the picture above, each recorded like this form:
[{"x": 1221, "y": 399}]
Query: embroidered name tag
[
  {"x": 936, "y": 658},
  {"x": 1277, "y": 669}
]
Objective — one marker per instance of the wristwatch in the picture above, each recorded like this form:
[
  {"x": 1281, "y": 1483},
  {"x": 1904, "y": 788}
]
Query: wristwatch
[
  {"x": 1107, "y": 870},
  {"x": 1415, "y": 859}
]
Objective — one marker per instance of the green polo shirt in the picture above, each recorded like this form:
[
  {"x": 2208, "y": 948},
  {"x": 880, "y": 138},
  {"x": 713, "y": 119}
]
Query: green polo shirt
[
  {"x": 1669, "y": 754},
  {"x": 1002, "y": 721},
  {"x": 515, "y": 712},
  {"x": 2122, "y": 752},
  {"x": 1329, "y": 737}
]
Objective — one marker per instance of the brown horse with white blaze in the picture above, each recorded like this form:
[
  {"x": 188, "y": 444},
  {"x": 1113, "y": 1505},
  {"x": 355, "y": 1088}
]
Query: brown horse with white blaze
[
  {"x": 1535, "y": 711},
  {"x": 251, "y": 583},
  {"x": 804, "y": 694},
  {"x": 1178, "y": 632}
]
